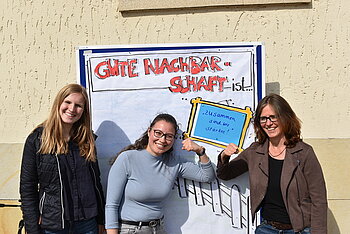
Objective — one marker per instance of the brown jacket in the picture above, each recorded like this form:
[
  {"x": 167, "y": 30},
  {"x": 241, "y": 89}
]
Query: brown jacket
[{"x": 302, "y": 183}]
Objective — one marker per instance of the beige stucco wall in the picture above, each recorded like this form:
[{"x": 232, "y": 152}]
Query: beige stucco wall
[{"x": 307, "y": 62}]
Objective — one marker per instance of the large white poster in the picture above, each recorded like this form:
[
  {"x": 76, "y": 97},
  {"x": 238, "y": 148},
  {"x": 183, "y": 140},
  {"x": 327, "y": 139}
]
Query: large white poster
[{"x": 211, "y": 89}]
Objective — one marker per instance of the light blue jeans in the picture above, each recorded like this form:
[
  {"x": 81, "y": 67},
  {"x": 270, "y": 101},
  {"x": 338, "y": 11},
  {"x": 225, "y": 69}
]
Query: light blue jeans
[
  {"x": 131, "y": 229},
  {"x": 265, "y": 228},
  {"x": 78, "y": 227}
]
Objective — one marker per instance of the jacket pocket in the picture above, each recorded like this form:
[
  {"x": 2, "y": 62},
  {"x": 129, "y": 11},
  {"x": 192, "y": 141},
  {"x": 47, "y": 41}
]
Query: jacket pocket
[
  {"x": 306, "y": 210},
  {"x": 51, "y": 211}
]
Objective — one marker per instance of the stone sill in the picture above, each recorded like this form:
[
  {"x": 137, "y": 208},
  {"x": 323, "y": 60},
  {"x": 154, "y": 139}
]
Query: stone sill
[{"x": 138, "y": 5}]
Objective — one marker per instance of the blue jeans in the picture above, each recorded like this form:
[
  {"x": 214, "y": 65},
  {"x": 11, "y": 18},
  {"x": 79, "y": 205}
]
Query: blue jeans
[
  {"x": 77, "y": 227},
  {"x": 265, "y": 228},
  {"x": 132, "y": 229}
]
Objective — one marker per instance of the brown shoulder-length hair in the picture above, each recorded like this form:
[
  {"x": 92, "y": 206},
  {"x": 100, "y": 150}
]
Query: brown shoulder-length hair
[
  {"x": 142, "y": 142},
  {"x": 287, "y": 119},
  {"x": 52, "y": 141}
]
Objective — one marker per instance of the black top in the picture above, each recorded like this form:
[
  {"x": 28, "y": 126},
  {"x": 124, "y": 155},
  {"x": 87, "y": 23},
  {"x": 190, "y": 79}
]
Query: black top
[
  {"x": 273, "y": 208},
  {"x": 79, "y": 196}
]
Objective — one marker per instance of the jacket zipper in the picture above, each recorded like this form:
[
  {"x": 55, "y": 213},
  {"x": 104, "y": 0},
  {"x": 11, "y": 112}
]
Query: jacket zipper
[
  {"x": 59, "y": 174},
  {"x": 41, "y": 203}
]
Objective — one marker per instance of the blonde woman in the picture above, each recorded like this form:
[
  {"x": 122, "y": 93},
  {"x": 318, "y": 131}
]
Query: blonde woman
[{"x": 60, "y": 180}]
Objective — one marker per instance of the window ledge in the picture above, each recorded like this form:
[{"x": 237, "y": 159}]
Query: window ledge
[{"x": 137, "y": 5}]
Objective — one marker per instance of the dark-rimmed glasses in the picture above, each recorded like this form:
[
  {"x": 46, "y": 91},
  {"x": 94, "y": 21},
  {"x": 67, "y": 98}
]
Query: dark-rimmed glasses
[
  {"x": 272, "y": 118},
  {"x": 159, "y": 134}
]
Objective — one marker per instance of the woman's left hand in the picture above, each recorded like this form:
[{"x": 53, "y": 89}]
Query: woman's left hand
[{"x": 190, "y": 145}]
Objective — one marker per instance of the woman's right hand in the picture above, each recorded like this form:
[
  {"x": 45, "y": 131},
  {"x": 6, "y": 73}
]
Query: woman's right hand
[{"x": 230, "y": 149}]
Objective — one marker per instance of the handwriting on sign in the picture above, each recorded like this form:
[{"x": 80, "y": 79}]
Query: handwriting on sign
[
  {"x": 193, "y": 65},
  {"x": 195, "y": 73},
  {"x": 192, "y": 83}
]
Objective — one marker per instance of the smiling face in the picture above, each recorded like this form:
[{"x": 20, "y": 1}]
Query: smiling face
[
  {"x": 157, "y": 146},
  {"x": 274, "y": 130},
  {"x": 71, "y": 109}
]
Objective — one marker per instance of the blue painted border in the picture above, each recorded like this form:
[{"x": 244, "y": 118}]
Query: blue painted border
[{"x": 259, "y": 71}]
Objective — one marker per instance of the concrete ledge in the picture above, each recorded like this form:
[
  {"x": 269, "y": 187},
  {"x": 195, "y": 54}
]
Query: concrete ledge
[
  {"x": 10, "y": 158},
  {"x": 137, "y": 5},
  {"x": 333, "y": 155},
  {"x": 338, "y": 216}
]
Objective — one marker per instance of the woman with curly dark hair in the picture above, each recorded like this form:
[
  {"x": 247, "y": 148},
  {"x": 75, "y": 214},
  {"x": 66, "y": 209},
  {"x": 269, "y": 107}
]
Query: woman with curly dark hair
[
  {"x": 286, "y": 179},
  {"x": 143, "y": 175}
]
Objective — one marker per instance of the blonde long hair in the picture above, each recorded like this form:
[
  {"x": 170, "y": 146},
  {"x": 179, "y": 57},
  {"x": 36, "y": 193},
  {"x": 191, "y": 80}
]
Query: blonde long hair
[{"x": 52, "y": 140}]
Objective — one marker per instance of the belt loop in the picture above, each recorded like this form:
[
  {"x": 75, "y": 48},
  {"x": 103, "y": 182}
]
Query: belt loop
[{"x": 140, "y": 225}]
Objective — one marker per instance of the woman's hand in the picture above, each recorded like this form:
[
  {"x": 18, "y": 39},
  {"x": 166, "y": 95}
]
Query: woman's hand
[
  {"x": 230, "y": 149},
  {"x": 190, "y": 145}
]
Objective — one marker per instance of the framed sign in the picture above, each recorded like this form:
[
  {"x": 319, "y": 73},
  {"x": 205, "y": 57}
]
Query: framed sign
[
  {"x": 217, "y": 124},
  {"x": 212, "y": 91}
]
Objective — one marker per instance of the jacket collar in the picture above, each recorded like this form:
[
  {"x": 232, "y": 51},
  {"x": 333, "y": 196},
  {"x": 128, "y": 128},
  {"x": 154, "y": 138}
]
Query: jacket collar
[
  {"x": 262, "y": 150},
  {"x": 296, "y": 148},
  {"x": 289, "y": 165}
]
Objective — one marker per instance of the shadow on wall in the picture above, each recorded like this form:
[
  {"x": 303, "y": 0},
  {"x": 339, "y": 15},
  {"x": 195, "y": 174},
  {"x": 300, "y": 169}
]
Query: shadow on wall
[
  {"x": 332, "y": 225},
  {"x": 273, "y": 87},
  {"x": 111, "y": 139}
]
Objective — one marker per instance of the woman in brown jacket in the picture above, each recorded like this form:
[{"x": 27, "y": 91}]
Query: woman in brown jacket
[{"x": 286, "y": 179}]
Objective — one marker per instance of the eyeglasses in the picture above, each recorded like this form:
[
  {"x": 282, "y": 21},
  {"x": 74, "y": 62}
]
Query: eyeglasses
[
  {"x": 159, "y": 134},
  {"x": 272, "y": 118}
]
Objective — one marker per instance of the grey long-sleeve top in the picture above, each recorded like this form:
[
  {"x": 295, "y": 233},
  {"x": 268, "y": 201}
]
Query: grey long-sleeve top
[{"x": 139, "y": 183}]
